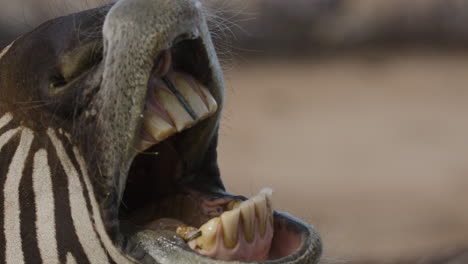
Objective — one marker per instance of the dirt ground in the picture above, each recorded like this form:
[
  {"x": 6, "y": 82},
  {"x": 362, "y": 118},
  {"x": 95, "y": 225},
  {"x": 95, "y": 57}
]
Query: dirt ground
[{"x": 372, "y": 151}]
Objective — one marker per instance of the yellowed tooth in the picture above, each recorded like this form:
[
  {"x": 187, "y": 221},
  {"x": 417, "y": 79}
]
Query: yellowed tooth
[
  {"x": 193, "y": 99},
  {"x": 230, "y": 221},
  {"x": 269, "y": 202},
  {"x": 268, "y": 192},
  {"x": 248, "y": 220},
  {"x": 212, "y": 105},
  {"x": 188, "y": 233},
  {"x": 233, "y": 204},
  {"x": 174, "y": 109},
  {"x": 209, "y": 230},
  {"x": 142, "y": 145},
  {"x": 261, "y": 212},
  {"x": 157, "y": 127}
]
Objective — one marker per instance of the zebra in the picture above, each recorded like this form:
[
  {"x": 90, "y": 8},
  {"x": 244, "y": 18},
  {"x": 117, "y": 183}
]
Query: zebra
[
  {"x": 109, "y": 117},
  {"x": 35, "y": 161}
]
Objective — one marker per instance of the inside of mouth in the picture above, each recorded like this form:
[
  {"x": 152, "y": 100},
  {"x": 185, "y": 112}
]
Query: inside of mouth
[
  {"x": 145, "y": 208},
  {"x": 157, "y": 195}
]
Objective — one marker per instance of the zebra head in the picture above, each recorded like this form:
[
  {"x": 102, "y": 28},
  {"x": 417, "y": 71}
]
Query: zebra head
[{"x": 108, "y": 133}]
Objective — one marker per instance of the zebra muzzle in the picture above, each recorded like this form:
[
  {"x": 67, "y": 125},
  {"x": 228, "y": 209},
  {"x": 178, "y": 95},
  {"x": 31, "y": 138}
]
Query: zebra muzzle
[{"x": 176, "y": 101}]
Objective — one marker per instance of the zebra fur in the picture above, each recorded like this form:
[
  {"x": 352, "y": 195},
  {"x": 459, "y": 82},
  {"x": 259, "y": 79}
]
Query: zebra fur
[{"x": 32, "y": 220}]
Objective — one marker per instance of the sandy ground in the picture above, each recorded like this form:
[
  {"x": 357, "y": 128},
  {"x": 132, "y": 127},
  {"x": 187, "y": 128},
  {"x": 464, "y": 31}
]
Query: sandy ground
[{"x": 371, "y": 152}]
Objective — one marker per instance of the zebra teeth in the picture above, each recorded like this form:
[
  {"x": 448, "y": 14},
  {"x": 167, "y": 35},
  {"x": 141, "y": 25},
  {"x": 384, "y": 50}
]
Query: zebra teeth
[
  {"x": 175, "y": 109},
  {"x": 269, "y": 202},
  {"x": 209, "y": 99},
  {"x": 244, "y": 231},
  {"x": 175, "y": 102},
  {"x": 209, "y": 233},
  {"x": 144, "y": 144},
  {"x": 234, "y": 204},
  {"x": 157, "y": 127},
  {"x": 188, "y": 233},
  {"x": 248, "y": 220},
  {"x": 257, "y": 209},
  {"x": 230, "y": 222},
  {"x": 261, "y": 212},
  {"x": 191, "y": 92}
]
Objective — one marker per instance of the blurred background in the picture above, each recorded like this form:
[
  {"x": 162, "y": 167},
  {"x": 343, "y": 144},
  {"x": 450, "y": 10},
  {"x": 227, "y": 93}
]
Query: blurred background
[{"x": 353, "y": 111}]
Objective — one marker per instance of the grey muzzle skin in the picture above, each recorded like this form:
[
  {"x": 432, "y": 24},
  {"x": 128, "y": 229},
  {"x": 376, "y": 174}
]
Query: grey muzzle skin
[
  {"x": 134, "y": 33},
  {"x": 102, "y": 108}
]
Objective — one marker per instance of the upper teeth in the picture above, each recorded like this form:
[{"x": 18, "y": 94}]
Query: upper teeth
[
  {"x": 174, "y": 108},
  {"x": 157, "y": 127},
  {"x": 176, "y": 102},
  {"x": 190, "y": 93}
]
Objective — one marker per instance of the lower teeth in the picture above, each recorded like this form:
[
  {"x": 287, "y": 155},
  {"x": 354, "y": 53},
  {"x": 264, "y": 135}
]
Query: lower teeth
[{"x": 244, "y": 232}]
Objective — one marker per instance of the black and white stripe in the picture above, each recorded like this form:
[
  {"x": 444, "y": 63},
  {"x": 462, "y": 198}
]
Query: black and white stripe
[
  {"x": 45, "y": 220},
  {"x": 11, "y": 202},
  {"x": 49, "y": 213}
]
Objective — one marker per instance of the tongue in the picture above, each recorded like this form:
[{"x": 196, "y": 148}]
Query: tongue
[{"x": 175, "y": 102}]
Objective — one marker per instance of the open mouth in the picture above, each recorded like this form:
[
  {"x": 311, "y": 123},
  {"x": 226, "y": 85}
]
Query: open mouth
[
  {"x": 139, "y": 108},
  {"x": 162, "y": 195}
]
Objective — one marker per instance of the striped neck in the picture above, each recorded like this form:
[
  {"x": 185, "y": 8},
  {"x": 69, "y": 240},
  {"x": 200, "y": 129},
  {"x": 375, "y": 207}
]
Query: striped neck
[{"x": 48, "y": 209}]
